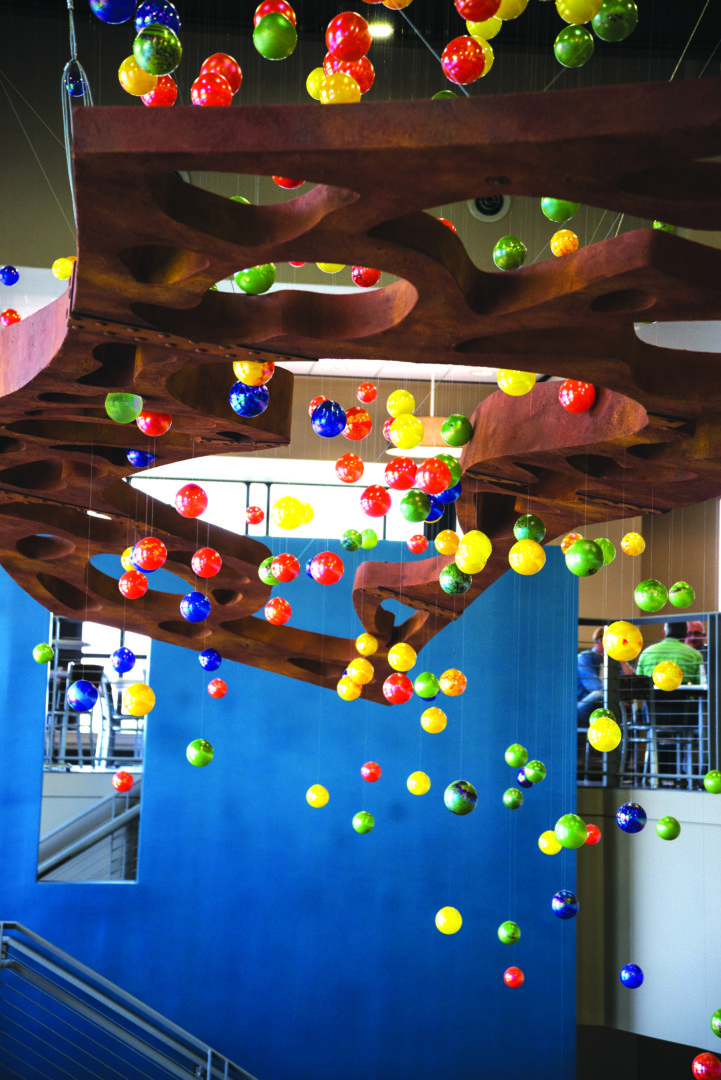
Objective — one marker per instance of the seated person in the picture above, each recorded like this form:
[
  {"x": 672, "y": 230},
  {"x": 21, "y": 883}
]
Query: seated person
[
  {"x": 590, "y": 681},
  {"x": 673, "y": 648},
  {"x": 696, "y": 636}
]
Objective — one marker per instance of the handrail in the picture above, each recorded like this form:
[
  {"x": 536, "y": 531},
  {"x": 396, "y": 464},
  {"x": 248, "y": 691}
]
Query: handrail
[{"x": 88, "y": 841}]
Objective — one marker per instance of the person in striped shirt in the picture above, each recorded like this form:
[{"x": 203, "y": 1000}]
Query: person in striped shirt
[{"x": 673, "y": 648}]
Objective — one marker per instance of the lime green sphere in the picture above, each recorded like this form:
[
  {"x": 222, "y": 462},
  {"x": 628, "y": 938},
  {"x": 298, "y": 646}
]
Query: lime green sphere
[
  {"x": 454, "y": 467},
  {"x": 535, "y": 771},
  {"x": 509, "y": 932},
  {"x": 415, "y": 506},
  {"x": 650, "y": 595},
  {"x": 571, "y": 831},
  {"x": 123, "y": 408},
  {"x": 369, "y": 539},
  {"x": 716, "y": 1023},
  {"x": 256, "y": 279},
  {"x": 199, "y": 753},
  {"x": 456, "y": 430},
  {"x": 608, "y": 549},
  {"x": 427, "y": 686},
  {"x": 663, "y": 226},
  {"x": 681, "y": 594},
  {"x": 584, "y": 558},
  {"x": 616, "y": 20},
  {"x": 512, "y": 798},
  {"x": 559, "y": 209},
  {"x": 363, "y": 822},
  {"x": 509, "y": 253},
  {"x": 573, "y": 46},
  {"x": 443, "y": 94},
  {"x": 712, "y": 782},
  {"x": 601, "y": 714},
  {"x": 668, "y": 828},
  {"x": 43, "y": 653},
  {"x": 351, "y": 540},
  {"x": 157, "y": 49},
  {"x": 516, "y": 756},
  {"x": 265, "y": 573},
  {"x": 275, "y": 37},
  {"x": 529, "y": 527}
]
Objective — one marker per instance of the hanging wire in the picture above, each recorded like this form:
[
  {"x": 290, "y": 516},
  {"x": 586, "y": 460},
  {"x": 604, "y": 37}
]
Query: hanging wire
[{"x": 74, "y": 84}]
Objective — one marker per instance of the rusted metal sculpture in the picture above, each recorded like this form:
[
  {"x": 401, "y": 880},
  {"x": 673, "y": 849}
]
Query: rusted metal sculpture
[{"x": 140, "y": 317}]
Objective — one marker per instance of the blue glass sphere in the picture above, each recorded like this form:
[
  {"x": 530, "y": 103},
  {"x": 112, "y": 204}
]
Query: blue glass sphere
[
  {"x": 631, "y": 976},
  {"x": 139, "y": 458},
  {"x": 113, "y": 11},
  {"x": 9, "y": 275},
  {"x": 436, "y": 511},
  {"x": 631, "y": 817},
  {"x": 123, "y": 660},
  {"x": 450, "y": 495},
  {"x": 328, "y": 420},
  {"x": 522, "y": 780},
  {"x": 308, "y": 570},
  {"x": 75, "y": 84},
  {"x": 565, "y": 904},
  {"x": 195, "y": 607},
  {"x": 249, "y": 400},
  {"x": 136, "y": 565},
  {"x": 81, "y": 696},
  {"x": 161, "y": 12},
  {"x": 210, "y": 659}
]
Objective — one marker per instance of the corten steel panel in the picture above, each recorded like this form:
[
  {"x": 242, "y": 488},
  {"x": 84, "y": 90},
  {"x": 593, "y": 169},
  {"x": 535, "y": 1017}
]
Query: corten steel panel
[{"x": 141, "y": 317}]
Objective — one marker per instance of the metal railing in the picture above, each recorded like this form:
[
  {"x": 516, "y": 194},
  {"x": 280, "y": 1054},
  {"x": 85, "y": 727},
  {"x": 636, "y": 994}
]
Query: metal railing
[
  {"x": 98, "y": 844},
  {"x": 62, "y": 1019}
]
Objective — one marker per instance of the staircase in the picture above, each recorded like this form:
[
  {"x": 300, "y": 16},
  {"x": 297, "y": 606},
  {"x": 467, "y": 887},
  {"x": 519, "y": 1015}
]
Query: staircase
[{"x": 98, "y": 844}]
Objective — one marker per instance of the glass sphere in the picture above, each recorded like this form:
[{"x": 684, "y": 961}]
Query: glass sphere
[
  {"x": 371, "y": 771},
  {"x": 375, "y": 501},
  {"x": 667, "y": 675},
  {"x": 248, "y": 400},
  {"x": 527, "y": 557},
  {"x": 563, "y": 242},
  {"x": 509, "y": 932},
  {"x": 574, "y": 46},
  {"x": 564, "y": 904},
  {"x": 535, "y": 771},
  {"x": 340, "y": 88},
  {"x": 43, "y": 653},
  {"x": 463, "y": 60},
  {"x": 615, "y": 20},
  {"x": 433, "y": 720},
  {"x": 210, "y": 659},
  {"x": 650, "y": 595},
  {"x": 456, "y": 430},
  {"x": 358, "y": 424},
  {"x": 255, "y": 280},
  {"x": 274, "y": 36},
  {"x": 633, "y": 544},
  {"x": 9, "y": 275},
  {"x": 578, "y": 11},
  {"x": 418, "y": 783},
  {"x": 217, "y": 688},
  {"x": 360, "y": 671},
  {"x": 512, "y": 798},
  {"x": 277, "y": 611},
  {"x": 548, "y": 843},
  {"x": 406, "y": 431},
  {"x": 402, "y": 657},
  {"x": 81, "y": 696},
  {"x": 594, "y": 835},
  {"x": 327, "y": 568},
  {"x": 446, "y": 543},
  {"x": 415, "y": 506},
  {"x": 681, "y": 594},
  {"x": 347, "y": 689},
  {"x": 522, "y": 780},
  {"x": 366, "y": 644},
  {"x": 584, "y": 558},
  {"x": 631, "y": 817},
  {"x": 132, "y": 584},
  {"x": 716, "y": 1023},
  {"x": 349, "y": 468},
  {"x": 397, "y": 689},
  {"x": 604, "y": 735},
  {"x": 265, "y": 572},
  {"x": 515, "y": 383},
  {"x": 157, "y": 49},
  {"x": 139, "y": 458},
  {"x": 417, "y": 544},
  {"x": 712, "y": 782},
  {"x": 426, "y": 686},
  {"x": 122, "y": 781},
  {"x": 608, "y": 549},
  {"x": 668, "y": 828},
  {"x": 452, "y": 682},
  {"x": 570, "y": 831},
  {"x": 222, "y": 64},
  {"x": 138, "y": 699},
  {"x": 453, "y": 581},
  {"x": 317, "y": 796},
  {"x": 513, "y": 977},
  {"x": 622, "y": 641},
  {"x": 328, "y": 419},
  {"x": 516, "y": 756},
  {"x": 509, "y": 253},
  {"x": 123, "y": 408},
  {"x": 351, "y": 540},
  {"x": 631, "y": 976},
  {"x": 195, "y": 607},
  {"x": 706, "y": 1066},
  {"x": 157, "y": 11},
  {"x": 123, "y": 660},
  {"x": 529, "y": 527},
  {"x": 284, "y": 567},
  {"x": 449, "y": 920},
  {"x": 199, "y": 753},
  {"x": 191, "y": 501},
  {"x": 559, "y": 210},
  {"x": 576, "y": 396},
  {"x": 363, "y": 822},
  {"x": 134, "y": 80},
  {"x": 460, "y": 797},
  {"x": 113, "y": 11}
]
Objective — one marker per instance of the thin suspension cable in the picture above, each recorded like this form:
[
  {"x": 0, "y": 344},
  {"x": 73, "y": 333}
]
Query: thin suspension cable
[
  {"x": 428, "y": 46},
  {"x": 32, "y": 110},
  {"x": 686, "y": 46},
  {"x": 72, "y": 72}
]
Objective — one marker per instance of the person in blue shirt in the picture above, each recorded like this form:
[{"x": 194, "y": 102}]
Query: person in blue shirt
[{"x": 590, "y": 677}]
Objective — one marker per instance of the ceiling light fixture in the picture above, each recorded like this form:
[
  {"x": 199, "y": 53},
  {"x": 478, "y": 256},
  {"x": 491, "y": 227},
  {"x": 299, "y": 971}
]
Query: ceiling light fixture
[{"x": 380, "y": 30}]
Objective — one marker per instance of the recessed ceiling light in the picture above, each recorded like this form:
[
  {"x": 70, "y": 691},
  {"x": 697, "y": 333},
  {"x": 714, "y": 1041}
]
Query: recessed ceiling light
[{"x": 380, "y": 30}]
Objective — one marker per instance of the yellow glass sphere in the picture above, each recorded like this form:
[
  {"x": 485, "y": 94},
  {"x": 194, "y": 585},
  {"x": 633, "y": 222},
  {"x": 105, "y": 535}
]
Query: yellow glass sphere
[
  {"x": 347, "y": 689},
  {"x": 406, "y": 431},
  {"x": 448, "y": 920},
  {"x": 667, "y": 675},
  {"x": 134, "y": 80},
  {"x": 433, "y": 720},
  {"x": 511, "y": 9},
  {"x": 339, "y": 89},
  {"x": 360, "y": 671},
  {"x": 402, "y": 656},
  {"x": 469, "y": 566},
  {"x": 487, "y": 52},
  {"x": 366, "y": 644},
  {"x": 314, "y": 82},
  {"x": 548, "y": 843},
  {"x": 527, "y": 557},
  {"x": 62, "y": 269},
  {"x": 138, "y": 699},
  {"x": 253, "y": 372},
  {"x": 515, "y": 383},
  {"x": 633, "y": 544},
  {"x": 475, "y": 546},
  {"x": 446, "y": 542},
  {"x": 418, "y": 783},
  {"x": 569, "y": 538},
  {"x": 317, "y": 795},
  {"x": 331, "y": 268},
  {"x": 604, "y": 735},
  {"x": 576, "y": 12},
  {"x": 400, "y": 402},
  {"x": 622, "y": 641},
  {"x": 485, "y": 30},
  {"x": 125, "y": 559},
  {"x": 396, "y": 5},
  {"x": 564, "y": 242},
  {"x": 288, "y": 512},
  {"x": 308, "y": 513},
  {"x": 453, "y": 682}
]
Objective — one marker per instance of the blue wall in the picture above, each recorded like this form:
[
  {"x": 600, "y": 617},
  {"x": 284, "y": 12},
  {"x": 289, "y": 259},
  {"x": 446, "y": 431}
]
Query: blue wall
[{"x": 299, "y": 948}]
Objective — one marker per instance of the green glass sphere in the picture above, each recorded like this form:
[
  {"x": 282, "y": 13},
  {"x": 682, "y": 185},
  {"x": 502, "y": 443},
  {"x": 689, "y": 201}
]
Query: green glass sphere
[
  {"x": 650, "y": 595},
  {"x": 509, "y": 253},
  {"x": 351, "y": 540},
  {"x": 573, "y": 46},
  {"x": 716, "y": 1023},
  {"x": 240, "y": 199},
  {"x": 712, "y": 782},
  {"x": 529, "y": 527},
  {"x": 415, "y": 506},
  {"x": 369, "y": 539},
  {"x": 509, "y": 932},
  {"x": 601, "y": 714},
  {"x": 256, "y": 279},
  {"x": 426, "y": 686},
  {"x": 199, "y": 752},
  {"x": 535, "y": 771},
  {"x": 681, "y": 594},
  {"x": 363, "y": 822},
  {"x": 456, "y": 430},
  {"x": 123, "y": 408},
  {"x": 275, "y": 37},
  {"x": 516, "y": 756},
  {"x": 662, "y": 226},
  {"x": 608, "y": 549},
  {"x": 668, "y": 828},
  {"x": 460, "y": 797},
  {"x": 43, "y": 653},
  {"x": 584, "y": 558},
  {"x": 559, "y": 209},
  {"x": 265, "y": 573},
  {"x": 571, "y": 831},
  {"x": 443, "y": 94},
  {"x": 453, "y": 581},
  {"x": 616, "y": 20},
  {"x": 157, "y": 49},
  {"x": 512, "y": 798},
  {"x": 454, "y": 467}
]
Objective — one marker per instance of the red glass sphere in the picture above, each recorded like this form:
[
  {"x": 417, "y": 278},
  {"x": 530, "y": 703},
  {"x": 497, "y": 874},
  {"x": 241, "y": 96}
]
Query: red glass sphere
[
  {"x": 387, "y": 429},
  {"x": 433, "y": 476},
  {"x": 477, "y": 10},
  {"x": 222, "y": 64},
  {"x": 361, "y": 70},
  {"x": 400, "y": 473},
  {"x": 366, "y": 392},
  {"x": 706, "y": 1066},
  {"x": 285, "y": 567},
  {"x": 397, "y": 688},
  {"x": 9, "y": 316},
  {"x": 451, "y": 226},
  {"x": 375, "y": 501},
  {"x": 417, "y": 544},
  {"x": 296, "y": 264},
  {"x": 315, "y": 403},
  {"x": 288, "y": 184},
  {"x": 513, "y": 977},
  {"x": 371, "y": 771},
  {"x": 358, "y": 424},
  {"x": 463, "y": 60},
  {"x": 164, "y": 93},
  {"x": 133, "y": 584},
  {"x": 211, "y": 89},
  {"x": 149, "y": 553},
  {"x": 191, "y": 501},
  {"x": 575, "y": 396},
  {"x": 348, "y": 36},
  {"x": 349, "y": 468},
  {"x": 365, "y": 278},
  {"x": 326, "y": 568},
  {"x": 269, "y": 6},
  {"x": 206, "y": 562},
  {"x": 254, "y": 515},
  {"x": 217, "y": 688},
  {"x": 122, "y": 781},
  {"x": 154, "y": 423},
  {"x": 277, "y": 611},
  {"x": 594, "y": 834}
]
